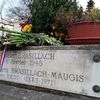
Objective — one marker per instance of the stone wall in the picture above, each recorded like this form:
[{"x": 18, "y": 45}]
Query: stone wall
[
  {"x": 8, "y": 92},
  {"x": 51, "y": 73}
]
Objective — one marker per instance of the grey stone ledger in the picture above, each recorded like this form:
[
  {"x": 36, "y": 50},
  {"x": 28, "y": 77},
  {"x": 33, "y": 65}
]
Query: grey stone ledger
[
  {"x": 15, "y": 93},
  {"x": 43, "y": 78}
]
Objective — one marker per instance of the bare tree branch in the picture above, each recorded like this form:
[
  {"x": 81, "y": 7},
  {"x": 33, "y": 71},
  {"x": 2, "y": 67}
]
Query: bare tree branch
[
  {"x": 21, "y": 11},
  {"x": 1, "y": 8}
]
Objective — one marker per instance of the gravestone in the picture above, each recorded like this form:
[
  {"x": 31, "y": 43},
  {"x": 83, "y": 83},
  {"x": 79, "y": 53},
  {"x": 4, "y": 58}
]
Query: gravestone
[{"x": 73, "y": 69}]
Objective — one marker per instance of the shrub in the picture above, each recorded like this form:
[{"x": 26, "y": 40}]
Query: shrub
[{"x": 44, "y": 11}]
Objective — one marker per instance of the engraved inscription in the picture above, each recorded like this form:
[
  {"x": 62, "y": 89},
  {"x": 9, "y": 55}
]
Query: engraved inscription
[{"x": 56, "y": 69}]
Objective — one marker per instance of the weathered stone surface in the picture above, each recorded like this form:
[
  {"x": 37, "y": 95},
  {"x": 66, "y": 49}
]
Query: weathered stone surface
[
  {"x": 14, "y": 93},
  {"x": 67, "y": 68}
]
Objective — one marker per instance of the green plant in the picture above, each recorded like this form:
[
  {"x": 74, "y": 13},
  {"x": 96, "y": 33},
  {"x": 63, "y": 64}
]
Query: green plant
[
  {"x": 91, "y": 15},
  {"x": 90, "y": 5},
  {"x": 44, "y": 11},
  {"x": 22, "y": 39},
  {"x": 1, "y": 45},
  {"x": 97, "y": 14}
]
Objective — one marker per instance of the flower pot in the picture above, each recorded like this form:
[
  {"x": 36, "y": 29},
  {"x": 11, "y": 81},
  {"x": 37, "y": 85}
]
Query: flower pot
[{"x": 83, "y": 33}]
